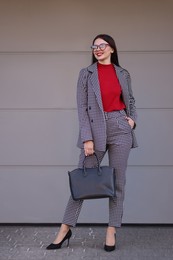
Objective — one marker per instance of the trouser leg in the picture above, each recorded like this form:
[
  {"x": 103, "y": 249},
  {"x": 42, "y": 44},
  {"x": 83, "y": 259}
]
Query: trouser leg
[
  {"x": 118, "y": 156},
  {"x": 72, "y": 212},
  {"x": 74, "y": 207}
]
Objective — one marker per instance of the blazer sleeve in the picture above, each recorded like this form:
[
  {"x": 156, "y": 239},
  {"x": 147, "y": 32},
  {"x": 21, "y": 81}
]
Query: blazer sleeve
[
  {"x": 132, "y": 107},
  {"x": 82, "y": 106}
]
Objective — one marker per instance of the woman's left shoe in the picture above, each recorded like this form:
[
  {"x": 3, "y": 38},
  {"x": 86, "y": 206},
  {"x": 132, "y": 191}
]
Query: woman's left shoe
[{"x": 110, "y": 248}]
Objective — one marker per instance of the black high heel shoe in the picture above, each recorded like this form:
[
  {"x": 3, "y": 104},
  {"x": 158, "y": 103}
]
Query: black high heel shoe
[
  {"x": 58, "y": 246},
  {"x": 110, "y": 248}
]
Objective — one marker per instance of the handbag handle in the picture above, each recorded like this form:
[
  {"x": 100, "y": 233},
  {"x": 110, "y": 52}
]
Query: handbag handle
[{"x": 84, "y": 167}]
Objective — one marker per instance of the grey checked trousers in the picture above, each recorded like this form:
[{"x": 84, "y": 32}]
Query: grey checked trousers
[{"x": 119, "y": 142}]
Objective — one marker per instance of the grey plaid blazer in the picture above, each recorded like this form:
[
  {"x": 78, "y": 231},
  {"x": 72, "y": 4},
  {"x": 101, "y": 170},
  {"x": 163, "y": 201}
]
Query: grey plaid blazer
[{"x": 92, "y": 125}]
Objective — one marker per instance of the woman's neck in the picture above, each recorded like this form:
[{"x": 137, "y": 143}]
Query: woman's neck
[{"x": 105, "y": 62}]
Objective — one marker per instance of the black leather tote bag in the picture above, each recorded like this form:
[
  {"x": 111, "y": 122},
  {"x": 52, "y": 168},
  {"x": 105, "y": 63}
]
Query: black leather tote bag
[{"x": 92, "y": 183}]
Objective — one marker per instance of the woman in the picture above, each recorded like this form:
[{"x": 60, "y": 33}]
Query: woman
[{"x": 107, "y": 117}]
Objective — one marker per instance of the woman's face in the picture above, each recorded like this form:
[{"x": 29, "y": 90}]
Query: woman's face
[{"x": 102, "y": 51}]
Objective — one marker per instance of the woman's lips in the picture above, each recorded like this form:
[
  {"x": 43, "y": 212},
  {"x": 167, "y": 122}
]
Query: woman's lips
[{"x": 99, "y": 54}]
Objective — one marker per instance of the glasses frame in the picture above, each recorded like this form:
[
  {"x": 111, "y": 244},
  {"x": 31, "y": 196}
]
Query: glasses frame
[{"x": 101, "y": 46}]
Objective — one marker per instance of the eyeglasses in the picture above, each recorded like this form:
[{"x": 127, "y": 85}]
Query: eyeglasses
[{"x": 101, "y": 46}]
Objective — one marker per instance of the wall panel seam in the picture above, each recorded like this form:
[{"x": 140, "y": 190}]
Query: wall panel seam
[
  {"x": 71, "y": 109},
  {"x": 75, "y": 165},
  {"x": 83, "y": 51}
]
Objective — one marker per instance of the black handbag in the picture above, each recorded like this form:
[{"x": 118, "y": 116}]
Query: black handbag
[{"x": 92, "y": 183}]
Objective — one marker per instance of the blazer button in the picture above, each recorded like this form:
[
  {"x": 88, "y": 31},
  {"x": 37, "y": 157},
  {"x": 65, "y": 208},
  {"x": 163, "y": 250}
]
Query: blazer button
[
  {"x": 86, "y": 109},
  {"x": 89, "y": 108},
  {"x": 91, "y": 120}
]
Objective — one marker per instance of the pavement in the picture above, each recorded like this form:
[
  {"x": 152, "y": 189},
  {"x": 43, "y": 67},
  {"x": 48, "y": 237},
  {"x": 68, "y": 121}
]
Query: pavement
[{"x": 134, "y": 242}]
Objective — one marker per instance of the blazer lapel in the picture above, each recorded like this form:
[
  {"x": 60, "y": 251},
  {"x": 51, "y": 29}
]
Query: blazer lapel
[
  {"x": 123, "y": 83},
  {"x": 95, "y": 83}
]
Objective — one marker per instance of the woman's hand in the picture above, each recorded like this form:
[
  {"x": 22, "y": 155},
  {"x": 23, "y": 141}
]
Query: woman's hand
[
  {"x": 88, "y": 148},
  {"x": 131, "y": 122}
]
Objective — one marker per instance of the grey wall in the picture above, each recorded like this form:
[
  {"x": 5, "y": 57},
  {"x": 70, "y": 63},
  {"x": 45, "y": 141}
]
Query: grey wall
[{"x": 43, "y": 45}]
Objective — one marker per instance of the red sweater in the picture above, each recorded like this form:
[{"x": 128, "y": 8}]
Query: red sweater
[{"x": 110, "y": 88}]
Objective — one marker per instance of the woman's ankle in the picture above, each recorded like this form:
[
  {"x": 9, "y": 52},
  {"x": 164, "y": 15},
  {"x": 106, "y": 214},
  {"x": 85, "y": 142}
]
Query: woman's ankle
[
  {"x": 111, "y": 230},
  {"x": 62, "y": 232},
  {"x": 64, "y": 228}
]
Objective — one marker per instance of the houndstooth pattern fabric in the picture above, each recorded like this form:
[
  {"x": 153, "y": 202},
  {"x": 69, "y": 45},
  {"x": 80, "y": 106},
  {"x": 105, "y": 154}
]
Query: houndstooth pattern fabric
[
  {"x": 119, "y": 142},
  {"x": 92, "y": 125},
  {"x": 110, "y": 132}
]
